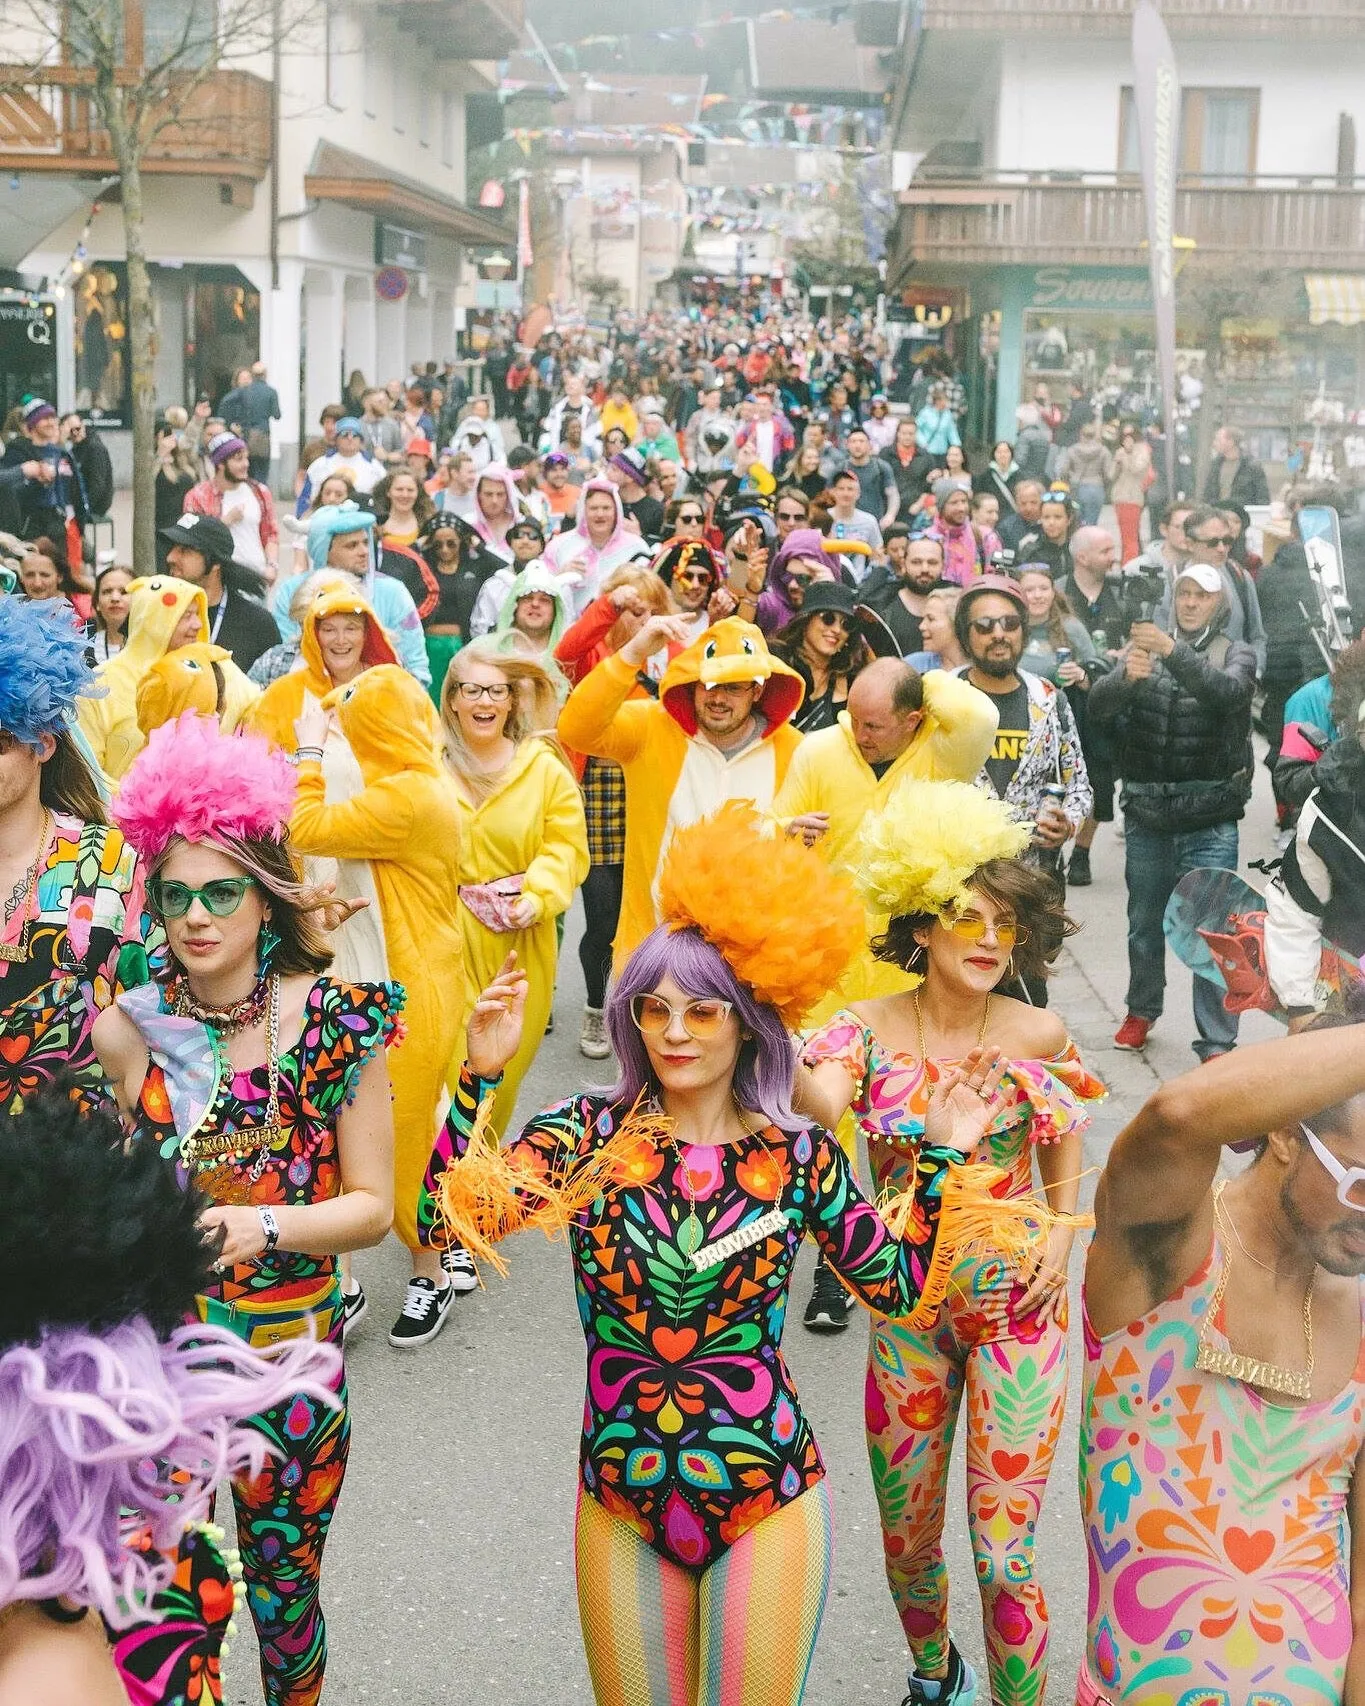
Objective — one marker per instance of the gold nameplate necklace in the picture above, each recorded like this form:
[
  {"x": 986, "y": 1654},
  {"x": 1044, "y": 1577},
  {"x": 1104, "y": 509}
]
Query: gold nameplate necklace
[{"x": 1294, "y": 1383}]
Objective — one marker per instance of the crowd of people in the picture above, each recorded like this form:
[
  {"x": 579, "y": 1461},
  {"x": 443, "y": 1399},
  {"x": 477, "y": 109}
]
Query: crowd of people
[{"x": 672, "y": 618}]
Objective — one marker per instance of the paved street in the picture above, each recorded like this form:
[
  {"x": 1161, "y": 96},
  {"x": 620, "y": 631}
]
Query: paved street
[{"x": 449, "y": 1575}]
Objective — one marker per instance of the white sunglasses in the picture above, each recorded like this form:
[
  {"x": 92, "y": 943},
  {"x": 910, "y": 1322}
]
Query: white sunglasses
[{"x": 1350, "y": 1180}]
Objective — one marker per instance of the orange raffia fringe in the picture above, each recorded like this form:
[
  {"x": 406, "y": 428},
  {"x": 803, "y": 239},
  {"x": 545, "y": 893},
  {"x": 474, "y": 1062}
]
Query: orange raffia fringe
[
  {"x": 974, "y": 1220},
  {"x": 490, "y": 1193}
]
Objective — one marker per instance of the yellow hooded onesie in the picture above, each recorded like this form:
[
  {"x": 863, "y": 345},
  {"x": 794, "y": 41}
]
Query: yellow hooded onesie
[
  {"x": 531, "y": 825},
  {"x": 274, "y": 712},
  {"x": 406, "y": 822},
  {"x": 201, "y": 678},
  {"x": 830, "y": 775},
  {"x": 673, "y": 776},
  {"x": 155, "y": 605}
]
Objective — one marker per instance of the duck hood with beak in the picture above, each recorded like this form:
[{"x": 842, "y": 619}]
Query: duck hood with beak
[{"x": 731, "y": 651}]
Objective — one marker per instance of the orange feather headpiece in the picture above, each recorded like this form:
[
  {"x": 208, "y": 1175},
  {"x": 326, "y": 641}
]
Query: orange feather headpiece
[{"x": 786, "y": 925}]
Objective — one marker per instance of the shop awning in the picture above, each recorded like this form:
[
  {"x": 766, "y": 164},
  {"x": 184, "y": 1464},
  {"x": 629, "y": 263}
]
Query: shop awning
[
  {"x": 1338, "y": 296},
  {"x": 360, "y": 184}
]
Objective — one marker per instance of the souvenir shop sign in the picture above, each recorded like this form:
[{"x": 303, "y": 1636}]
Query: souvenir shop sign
[{"x": 1112, "y": 290}]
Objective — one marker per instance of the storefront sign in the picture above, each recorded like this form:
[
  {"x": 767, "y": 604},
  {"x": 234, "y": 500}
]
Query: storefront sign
[{"x": 1102, "y": 289}]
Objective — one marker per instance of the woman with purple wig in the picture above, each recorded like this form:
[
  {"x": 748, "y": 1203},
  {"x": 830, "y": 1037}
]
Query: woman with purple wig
[
  {"x": 703, "y": 1535},
  {"x": 117, "y": 1420}
]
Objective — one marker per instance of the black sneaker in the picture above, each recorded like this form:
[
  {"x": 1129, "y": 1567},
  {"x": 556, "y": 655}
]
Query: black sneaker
[
  {"x": 956, "y": 1688},
  {"x": 827, "y": 1311},
  {"x": 459, "y": 1268},
  {"x": 424, "y": 1312},
  {"x": 1078, "y": 870},
  {"x": 353, "y": 1305}
]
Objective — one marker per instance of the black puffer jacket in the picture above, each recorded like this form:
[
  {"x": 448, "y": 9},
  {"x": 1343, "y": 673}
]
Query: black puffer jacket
[
  {"x": 1183, "y": 735},
  {"x": 1335, "y": 831}
]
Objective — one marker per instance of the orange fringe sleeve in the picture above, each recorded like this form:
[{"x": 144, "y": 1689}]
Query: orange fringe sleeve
[
  {"x": 974, "y": 1219},
  {"x": 489, "y": 1193}
]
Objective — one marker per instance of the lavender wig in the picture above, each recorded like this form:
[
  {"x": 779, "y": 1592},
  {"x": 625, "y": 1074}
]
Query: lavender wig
[
  {"x": 105, "y": 1432},
  {"x": 766, "y": 1068},
  {"x": 115, "y": 1414}
]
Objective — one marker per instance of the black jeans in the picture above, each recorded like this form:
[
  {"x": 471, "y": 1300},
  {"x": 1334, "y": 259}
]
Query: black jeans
[{"x": 601, "y": 909}]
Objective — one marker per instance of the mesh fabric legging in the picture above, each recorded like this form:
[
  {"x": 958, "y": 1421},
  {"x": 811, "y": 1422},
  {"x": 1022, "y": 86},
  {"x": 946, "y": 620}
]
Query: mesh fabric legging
[
  {"x": 283, "y": 1515},
  {"x": 601, "y": 910},
  {"x": 1014, "y": 1377},
  {"x": 739, "y": 1633}
]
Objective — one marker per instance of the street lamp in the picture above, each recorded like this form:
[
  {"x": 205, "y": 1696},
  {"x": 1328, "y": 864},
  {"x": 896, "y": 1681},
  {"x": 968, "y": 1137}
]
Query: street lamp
[{"x": 496, "y": 267}]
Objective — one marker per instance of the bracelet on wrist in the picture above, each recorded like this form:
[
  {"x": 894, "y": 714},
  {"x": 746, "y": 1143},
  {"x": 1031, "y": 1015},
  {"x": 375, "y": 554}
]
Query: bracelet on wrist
[
  {"x": 308, "y": 755},
  {"x": 271, "y": 1228}
]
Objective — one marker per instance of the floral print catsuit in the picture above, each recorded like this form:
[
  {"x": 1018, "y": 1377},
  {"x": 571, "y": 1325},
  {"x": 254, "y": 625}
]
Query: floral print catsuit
[{"x": 1012, "y": 1371}]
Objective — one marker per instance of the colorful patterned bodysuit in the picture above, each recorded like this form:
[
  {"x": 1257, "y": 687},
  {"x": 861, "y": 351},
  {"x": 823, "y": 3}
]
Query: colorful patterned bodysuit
[
  {"x": 283, "y": 1514},
  {"x": 1012, "y": 1371},
  {"x": 693, "y": 1435},
  {"x": 176, "y": 1659},
  {"x": 88, "y": 939},
  {"x": 1215, "y": 1521}
]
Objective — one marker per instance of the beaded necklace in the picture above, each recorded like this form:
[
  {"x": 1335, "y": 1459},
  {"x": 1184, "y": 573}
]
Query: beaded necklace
[{"x": 216, "y": 1159}]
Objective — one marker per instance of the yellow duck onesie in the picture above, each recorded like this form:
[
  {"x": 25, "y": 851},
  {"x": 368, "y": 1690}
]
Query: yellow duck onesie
[
  {"x": 155, "y": 605},
  {"x": 830, "y": 775},
  {"x": 274, "y": 712},
  {"x": 406, "y": 822},
  {"x": 674, "y": 775},
  {"x": 530, "y": 824},
  {"x": 200, "y": 678}
]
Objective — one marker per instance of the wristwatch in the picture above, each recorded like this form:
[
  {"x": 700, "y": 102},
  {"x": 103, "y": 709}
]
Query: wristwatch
[{"x": 271, "y": 1227}]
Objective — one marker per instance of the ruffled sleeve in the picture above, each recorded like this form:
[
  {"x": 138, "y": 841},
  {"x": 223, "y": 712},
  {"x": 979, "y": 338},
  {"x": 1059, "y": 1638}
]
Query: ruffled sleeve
[
  {"x": 1051, "y": 1095},
  {"x": 345, "y": 1026},
  {"x": 843, "y": 1040}
]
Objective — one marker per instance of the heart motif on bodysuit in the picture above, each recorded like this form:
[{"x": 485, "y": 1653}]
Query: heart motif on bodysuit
[
  {"x": 1248, "y": 1551},
  {"x": 1008, "y": 1464},
  {"x": 673, "y": 1344}
]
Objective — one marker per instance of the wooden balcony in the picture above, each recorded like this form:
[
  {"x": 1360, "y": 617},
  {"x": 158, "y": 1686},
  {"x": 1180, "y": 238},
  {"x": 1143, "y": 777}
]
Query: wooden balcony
[
  {"x": 1101, "y": 221},
  {"x": 1239, "y": 18},
  {"x": 462, "y": 29},
  {"x": 49, "y": 123}
]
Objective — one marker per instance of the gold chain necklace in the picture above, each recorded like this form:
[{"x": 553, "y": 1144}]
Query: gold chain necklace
[
  {"x": 919, "y": 1025},
  {"x": 1290, "y": 1382},
  {"x": 16, "y": 953}
]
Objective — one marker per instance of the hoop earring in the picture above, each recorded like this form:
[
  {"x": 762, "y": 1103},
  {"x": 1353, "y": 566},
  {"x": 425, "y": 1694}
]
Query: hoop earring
[
  {"x": 1010, "y": 972},
  {"x": 918, "y": 960}
]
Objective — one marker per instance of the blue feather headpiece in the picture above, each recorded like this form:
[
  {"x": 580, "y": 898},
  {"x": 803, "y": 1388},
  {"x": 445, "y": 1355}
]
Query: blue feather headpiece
[{"x": 43, "y": 668}]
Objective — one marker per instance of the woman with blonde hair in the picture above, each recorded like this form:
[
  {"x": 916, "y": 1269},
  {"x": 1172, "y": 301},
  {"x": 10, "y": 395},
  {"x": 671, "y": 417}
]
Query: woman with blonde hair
[
  {"x": 941, "y": 650},
  {"x": 523, "y": 839}
]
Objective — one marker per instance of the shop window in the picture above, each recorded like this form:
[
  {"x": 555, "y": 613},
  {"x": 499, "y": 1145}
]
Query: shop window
[{"x": 1218, "y": 131}]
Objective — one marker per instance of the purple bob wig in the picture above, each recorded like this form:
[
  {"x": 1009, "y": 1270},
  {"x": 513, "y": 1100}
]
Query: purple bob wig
[
  {"x": 766, "y": 1068},
  {"x": 116, "y": 1414},
  {"x": 101, "y": 1432}
]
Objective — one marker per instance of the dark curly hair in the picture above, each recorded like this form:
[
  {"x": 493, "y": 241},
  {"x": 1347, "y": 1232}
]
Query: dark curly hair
[
  {"x": 1031, "y": 897},
  {"x": 128, "y": 1236}
]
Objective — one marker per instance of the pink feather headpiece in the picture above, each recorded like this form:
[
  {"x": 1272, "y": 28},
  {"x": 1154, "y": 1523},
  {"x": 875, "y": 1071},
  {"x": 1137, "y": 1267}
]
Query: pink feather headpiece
[{"x": 193, "y": 781}]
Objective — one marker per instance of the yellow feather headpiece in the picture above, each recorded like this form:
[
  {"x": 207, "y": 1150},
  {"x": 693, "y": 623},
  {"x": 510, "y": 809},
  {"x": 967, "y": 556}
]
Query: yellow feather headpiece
[
  {"x": 920, "y": 851},
  {"x": 785, "y": 923}
]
